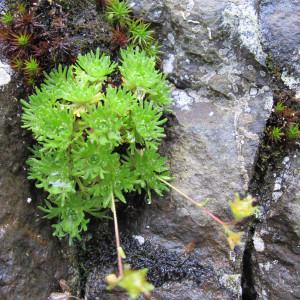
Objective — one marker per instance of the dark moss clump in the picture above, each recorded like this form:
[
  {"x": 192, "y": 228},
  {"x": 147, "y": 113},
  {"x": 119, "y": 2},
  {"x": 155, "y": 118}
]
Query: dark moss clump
[
  {"x": 97, "y": 259},
  {"x": 283, "y": 125}
]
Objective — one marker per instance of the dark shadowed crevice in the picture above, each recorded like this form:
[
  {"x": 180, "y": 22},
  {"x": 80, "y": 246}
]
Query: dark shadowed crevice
[
  {"x": 268, "y": 162},
  {"x": 248, "y": 290}
]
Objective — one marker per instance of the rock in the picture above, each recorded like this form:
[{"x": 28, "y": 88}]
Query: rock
[
  {"x": 221, "y": 102},
  {"x": 276, "y": 253},
  {"x": 4, "y": 74},
  {"x": 187, "y": 290},
  {"x": 280, "y": 27},
  {"x": 214, "y": 56},
  {"x": 31, "y": 260}
]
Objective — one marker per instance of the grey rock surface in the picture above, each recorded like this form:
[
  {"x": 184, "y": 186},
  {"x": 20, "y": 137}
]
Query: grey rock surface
[
  {"x": 214, "y": 56},
  {"x": 280, "y": 27},
  {"x": 221, "y": 101},
  {"x": 276, "y": 255},
  {"x": 31, "y": 262}
]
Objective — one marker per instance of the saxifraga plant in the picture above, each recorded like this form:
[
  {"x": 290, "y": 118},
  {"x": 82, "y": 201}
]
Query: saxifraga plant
[
  {"x": 79, "y": 129},
  {"x": 141, "y": 76},
  {"x": 81, "y": 122}
]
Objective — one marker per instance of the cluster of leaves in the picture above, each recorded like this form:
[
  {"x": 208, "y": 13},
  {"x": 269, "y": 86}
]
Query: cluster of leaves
[
  {"x": 134, "y": 281},
  {"x": 241, "y": 208},
  {"x": 128, "y": 30},
  {"x": 284, "y": 127},
  {"x": 81, "y": 123},
  {"x": 30, "y": 45},
  {"x": 273, "y": 67}
]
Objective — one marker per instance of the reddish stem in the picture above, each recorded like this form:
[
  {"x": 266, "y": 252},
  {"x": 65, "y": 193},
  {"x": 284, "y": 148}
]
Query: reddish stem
[
  {"x": 208, "y": 212},
  {"x": 213, "y": 216},
  {"x": 117, "y": 235}
]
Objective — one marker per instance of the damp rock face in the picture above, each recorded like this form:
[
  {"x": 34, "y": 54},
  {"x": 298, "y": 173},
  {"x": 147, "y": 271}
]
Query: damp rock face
[
  {"x": 221, "y": 100},
  {"x": 280, "y": 27},
  {"x": 31, "y": 262},
  {"x": 214, "y": 56},
  {"x": 276, "y": 243}
]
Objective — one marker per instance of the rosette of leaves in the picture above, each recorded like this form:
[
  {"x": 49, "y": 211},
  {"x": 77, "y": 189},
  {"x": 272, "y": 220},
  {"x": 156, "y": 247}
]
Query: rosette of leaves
[
  {"x": 118, "y": 12},
  {"x": 140, "y": 76},
  {"x": 81, "y": 122}
]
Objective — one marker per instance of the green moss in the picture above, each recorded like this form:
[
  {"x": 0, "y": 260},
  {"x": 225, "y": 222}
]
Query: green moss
[
  {"x": 22, "y": 39},
  {"x": 279, "y": 107},
  {"x": 140, "y": 34},
  {"x": 117, "y": 12},
  {"x": 293, "y": 132},
  {"x": 276, "y": 134},
  {"x": 7, "y": 18},
  {"x": 31, "y": 66}
]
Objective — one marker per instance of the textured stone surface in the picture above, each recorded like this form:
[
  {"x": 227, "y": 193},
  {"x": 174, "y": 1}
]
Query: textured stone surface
[
  {"x": 276, "y": 255},
  {"x": 213, "y": 55},
  {"x": 31, "y": 262},
  {"x": 280, "y": 27},
  {"x": 221, "y": 104}
]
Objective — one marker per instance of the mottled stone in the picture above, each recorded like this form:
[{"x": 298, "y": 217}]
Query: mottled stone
[
  {"x": 276, "y": 255},
  {"x": 31, "y": 260},
  {"x": 280, "y": 27},
  {"x": 221, "y": 102}
]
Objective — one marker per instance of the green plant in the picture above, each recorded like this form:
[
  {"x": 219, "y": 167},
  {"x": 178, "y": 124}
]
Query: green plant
[
  {"x": 7, "y": 19},
  {"x": 21, "y": 8},
  {"x": 276, "y": 134},
  {"x": 140, "y": 34},
  {"x": 117, "y": 12},
  {"x": 17, "y": 64},
  {"x": 279, "y": 107},
  {"x": 240, "y": 208},
  {"x": 134, "y": 281},
  {"x": 22, "y": 39},
  {"x": 29, "y": 37},
  {"x": 153, "y": 49},
  {"x": 293, "y": 132},
  {"x": 30, "y": 82},
  {"x": 139, "y": 75},
  {"x": 31, "y": 67},
  {"x": 80, "y": 128}
]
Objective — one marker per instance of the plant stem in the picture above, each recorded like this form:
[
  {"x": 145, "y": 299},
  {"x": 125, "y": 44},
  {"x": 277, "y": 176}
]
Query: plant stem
[
  {"x": 213, "y": 216},
  {"x": 208, "y": 212},
  {"x": 117, "y": 236}
]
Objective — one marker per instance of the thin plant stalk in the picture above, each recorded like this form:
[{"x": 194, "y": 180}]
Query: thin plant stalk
[
  {"x": 117, "y": 236},
  {"x": 208, "y": 212}
]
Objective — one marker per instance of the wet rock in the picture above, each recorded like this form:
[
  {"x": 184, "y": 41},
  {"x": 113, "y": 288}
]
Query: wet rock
[
  {"x": 280, "y": 27},
  {"x": 187, "y": 290},
  {"x": 221, "y": 101},
  {"x": 87, "y": 30},
  {"x": 164, "y": 265},
  {"x": 276, "y": 241},
  {"x": 31, "y": 262}
]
